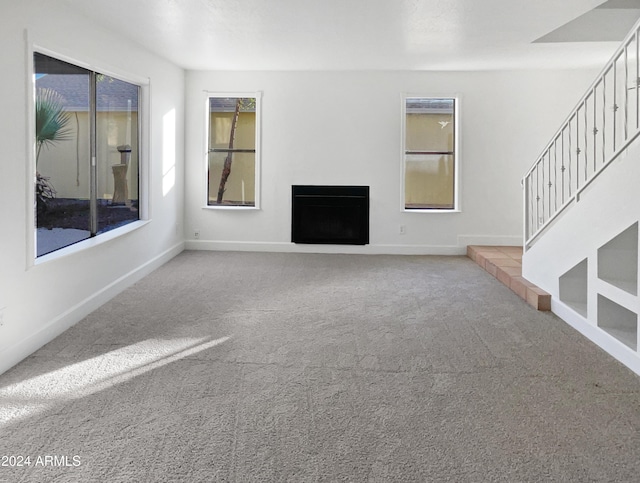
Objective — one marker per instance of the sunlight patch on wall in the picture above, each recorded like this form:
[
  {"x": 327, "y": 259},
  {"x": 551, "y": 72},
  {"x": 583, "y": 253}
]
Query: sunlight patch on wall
[{"x": 168, "y": 151}]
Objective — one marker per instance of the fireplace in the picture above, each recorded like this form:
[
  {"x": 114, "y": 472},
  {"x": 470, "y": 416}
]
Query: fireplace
[{"x": 336, "y": 215}]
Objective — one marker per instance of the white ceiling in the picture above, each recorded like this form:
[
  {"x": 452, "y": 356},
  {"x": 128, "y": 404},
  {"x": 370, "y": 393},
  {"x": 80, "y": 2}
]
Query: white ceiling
[{"x": 363, "y": 34}]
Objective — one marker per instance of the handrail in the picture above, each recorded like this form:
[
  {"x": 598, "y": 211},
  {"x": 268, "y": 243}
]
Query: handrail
[{"x": 601, "y": 126}]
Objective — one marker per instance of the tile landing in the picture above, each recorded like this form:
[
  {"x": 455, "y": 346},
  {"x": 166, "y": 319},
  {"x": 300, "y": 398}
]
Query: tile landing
[{"x": 505, "y": 264}]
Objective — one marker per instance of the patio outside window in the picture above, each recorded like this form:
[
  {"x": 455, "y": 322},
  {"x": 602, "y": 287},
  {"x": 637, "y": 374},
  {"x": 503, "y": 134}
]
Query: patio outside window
[
  {"x": 87, "y": 153},
  {"x": 430, "y": 161},
  {"x": 232, "y": 154}
]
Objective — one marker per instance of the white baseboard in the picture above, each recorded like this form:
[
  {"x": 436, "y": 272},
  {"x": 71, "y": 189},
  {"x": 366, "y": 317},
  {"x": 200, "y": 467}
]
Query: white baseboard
[
  {"x": 609, "y": 344},
  {"x": 374, "y": 249},
  {"x": 10, "y": 356},
  {"x": 288, "y": 247}
]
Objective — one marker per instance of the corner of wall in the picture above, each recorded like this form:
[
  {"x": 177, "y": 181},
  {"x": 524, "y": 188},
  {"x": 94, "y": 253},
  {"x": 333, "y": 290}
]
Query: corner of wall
[{"x": 11, "y": 355}]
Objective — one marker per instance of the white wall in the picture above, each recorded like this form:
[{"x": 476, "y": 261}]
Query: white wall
[
  {"x": 41, "y": 300},
  {"x": 345, "y": 128}
]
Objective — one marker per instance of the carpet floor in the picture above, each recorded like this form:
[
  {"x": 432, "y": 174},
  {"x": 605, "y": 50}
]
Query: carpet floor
[{"x": 304, "y": 367}]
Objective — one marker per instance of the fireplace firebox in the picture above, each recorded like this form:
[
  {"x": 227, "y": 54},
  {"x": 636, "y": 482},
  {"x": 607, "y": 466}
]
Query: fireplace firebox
[{"x": 336, "y": 215}]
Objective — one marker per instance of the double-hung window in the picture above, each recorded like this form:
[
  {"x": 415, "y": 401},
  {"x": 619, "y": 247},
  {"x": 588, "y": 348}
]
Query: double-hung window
[
  {"x": 430, "y": 157},
  {"x": 233, "y": 142},
  {"x": 86, "y": 153}
]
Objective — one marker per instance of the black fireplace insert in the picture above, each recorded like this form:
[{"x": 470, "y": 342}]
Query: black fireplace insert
[{"x": 336, "y": 215}]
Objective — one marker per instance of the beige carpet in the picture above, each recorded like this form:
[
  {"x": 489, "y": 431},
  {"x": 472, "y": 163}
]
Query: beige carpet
[{"x": 299, "y": 367}]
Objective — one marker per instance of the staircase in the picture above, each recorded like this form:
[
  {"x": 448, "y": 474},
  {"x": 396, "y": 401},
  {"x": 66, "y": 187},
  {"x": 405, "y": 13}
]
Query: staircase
[{"x": 582, "y": 209}]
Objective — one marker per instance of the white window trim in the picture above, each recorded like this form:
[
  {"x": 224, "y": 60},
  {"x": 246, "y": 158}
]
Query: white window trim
[
  {"x": 258, "y": 157},
  {"x": 144, "y": 169},
  {"x": 90, "y": 242},
  {"x": 456, "y": 147}
]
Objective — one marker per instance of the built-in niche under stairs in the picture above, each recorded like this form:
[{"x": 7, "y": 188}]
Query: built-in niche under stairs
[
  {"x": 603, "y": 288},
  {"x": 618, "y": 321},
  {"x": 618, "y": 261},
  {"x": 573, "y": 287}
]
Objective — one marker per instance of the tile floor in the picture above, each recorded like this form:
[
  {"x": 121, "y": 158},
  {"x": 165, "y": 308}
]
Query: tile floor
[{"x": 505, "y": 263}]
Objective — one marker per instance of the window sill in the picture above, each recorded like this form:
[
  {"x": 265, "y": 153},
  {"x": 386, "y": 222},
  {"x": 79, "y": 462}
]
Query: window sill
[
  {"x": 430, "y": 210},
  {"x": 90, "y": 242},
  {"x": 231, "y": 208}
]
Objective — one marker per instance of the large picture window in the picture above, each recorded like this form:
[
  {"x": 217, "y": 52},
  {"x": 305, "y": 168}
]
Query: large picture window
[
  {"x": 87, "y": 153},
  {"x": 430, "y": 158},
  {"x": 233, "y": 150}
]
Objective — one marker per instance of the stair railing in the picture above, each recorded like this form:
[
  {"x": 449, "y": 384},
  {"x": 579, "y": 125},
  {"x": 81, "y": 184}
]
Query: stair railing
[{"x": 598, "y": 130}]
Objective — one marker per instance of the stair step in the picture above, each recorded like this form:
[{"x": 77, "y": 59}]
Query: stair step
[{"x": 505, "y": 264}]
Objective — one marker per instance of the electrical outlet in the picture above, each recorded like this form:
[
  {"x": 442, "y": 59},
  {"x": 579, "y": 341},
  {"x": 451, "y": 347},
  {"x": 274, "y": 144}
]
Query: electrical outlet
[
  {"x": 196, "y": 234},
  {"x": 403, "y": 229}
]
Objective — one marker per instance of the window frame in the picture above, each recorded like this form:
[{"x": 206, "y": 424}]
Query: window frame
[
  {"x": 456, "y": 153},
  {"x": 257, "y": 95},
  {"x": 144, "y": 168}
]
